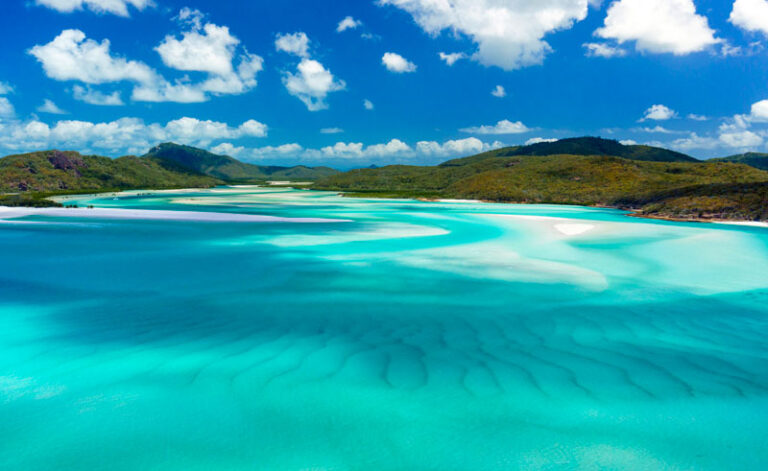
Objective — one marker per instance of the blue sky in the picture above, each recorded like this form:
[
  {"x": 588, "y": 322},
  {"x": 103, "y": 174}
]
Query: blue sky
[{"x": 288, "y": 82}]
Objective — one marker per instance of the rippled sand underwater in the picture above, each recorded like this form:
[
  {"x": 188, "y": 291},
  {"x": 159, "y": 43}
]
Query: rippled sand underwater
[{"x": 354, "y": 334}]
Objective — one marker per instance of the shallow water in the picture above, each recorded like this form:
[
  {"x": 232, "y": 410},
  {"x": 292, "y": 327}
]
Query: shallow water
[{"x": 400, "y": 335}]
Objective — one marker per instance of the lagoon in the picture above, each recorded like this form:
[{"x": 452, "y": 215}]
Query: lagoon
[{"x": 249, "y": 328}]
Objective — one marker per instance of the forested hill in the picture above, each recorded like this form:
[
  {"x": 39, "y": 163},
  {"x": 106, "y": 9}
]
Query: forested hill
[
  {"x": 165, "y": 166},
  {"x": 585, "y": 146},
  {"x": 677, "y": 187}
]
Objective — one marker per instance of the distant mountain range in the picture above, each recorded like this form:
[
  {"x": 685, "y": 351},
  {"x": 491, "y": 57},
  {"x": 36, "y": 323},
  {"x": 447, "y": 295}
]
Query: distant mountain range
[
  {"x": 584, "y": 171},
  {"x": 165, "y": 166}
]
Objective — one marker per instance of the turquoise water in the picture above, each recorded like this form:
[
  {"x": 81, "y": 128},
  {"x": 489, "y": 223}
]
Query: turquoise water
[{"x": 399, "y": 336}]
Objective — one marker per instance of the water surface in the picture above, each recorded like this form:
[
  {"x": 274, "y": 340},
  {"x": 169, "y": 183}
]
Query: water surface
[{"x": 390, "y": 335}]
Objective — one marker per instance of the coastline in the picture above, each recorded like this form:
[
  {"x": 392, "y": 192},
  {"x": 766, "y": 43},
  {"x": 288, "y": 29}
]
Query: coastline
[{"x": 630, "y": 212}]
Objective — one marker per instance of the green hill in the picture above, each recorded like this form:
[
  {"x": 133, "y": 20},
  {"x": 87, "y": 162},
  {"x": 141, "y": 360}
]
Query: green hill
[
  {"x": 754, "y": 159},
  {"x": 596, "y": 180},
  {"x": 582, "y": 146},
  {"x": 56, "y": 171},
  {"x": 177, "y": 157}
]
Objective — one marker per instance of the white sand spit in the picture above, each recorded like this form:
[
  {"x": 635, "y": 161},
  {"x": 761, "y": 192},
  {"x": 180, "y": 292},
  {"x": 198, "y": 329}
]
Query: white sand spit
[{"x": 107, "y": 213}]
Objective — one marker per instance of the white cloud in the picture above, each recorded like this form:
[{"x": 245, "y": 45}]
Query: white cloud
[
  {"x": 502, "y": 127},
  {"x": 658, "y": 26},
  {"x": 210, "y": 49},
  {"x": 6, "y": 108},
  {"x": 628, "y": 142},
  {"x": 95, "y": 97},
  {"x": 657, "y": 130},
  {"x": 759, "y": 111},
  {"x": 694, "y": 141},
  {"x": 658, "y": 113},
  {"x": 125, "y": 135},
  {"x": 226, "y": 148},
  {"x": 499, "y": 92},
  {"x": 296, "y": 44},
  {"x": 70, "y": 56},
  {"x": 750, "y": 15},
  {"x": 468, "y": 146},
  {"x": 5, "y": 88},
  {"x": 697, "y": 117},
  {"x": 348, "y": 23},
  {"x": 741, "y": 139},
  {"x": 368, "y": 104},
  {"x": 331, "y": 131},
  {"x": 312, "y": 83},
  {"x": 538, "y": 140},
  {"x": 604, "y": 50},
  {"x": 397, "y": 63},
  {"x": 508, "y": 33},
  {"x": 115, "y": 7},
  {"x": 50, "y": 107},
  {"x": 453, "y": 57}
]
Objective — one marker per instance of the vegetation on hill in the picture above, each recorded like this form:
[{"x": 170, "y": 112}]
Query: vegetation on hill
[
  {"x": 222, "y": 167},
  {"x": 753, "y": 159},
  {"x": 662, "y": 189},
  {"x": 582, "y": 146},
  {"x": 55, "y": 171}
]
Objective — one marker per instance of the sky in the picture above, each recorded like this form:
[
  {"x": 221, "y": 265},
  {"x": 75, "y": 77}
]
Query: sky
[{"x": 351, "y": 83}]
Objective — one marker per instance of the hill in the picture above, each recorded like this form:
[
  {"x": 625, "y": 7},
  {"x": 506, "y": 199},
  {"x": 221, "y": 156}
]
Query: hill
[
  {"x": 583, "y": 146},
  {"x": 56, "y": 171},
  {"x": 662, "y": 189},
  {"x": 753, "y": 159},
  {"x": 178, "y": 157}
]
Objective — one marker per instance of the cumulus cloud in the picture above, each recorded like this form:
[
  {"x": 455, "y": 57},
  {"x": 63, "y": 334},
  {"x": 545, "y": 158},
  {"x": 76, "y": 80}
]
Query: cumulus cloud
[
  {"x": 125, "y": 135},
  {"x": 508, "y": 33},
  {"x": 50, "y": 107},
  {"x": 95, "y": 97},
  {"x": 397, "y": 63},
  {"x": 368, "y": 104},
  {"x": 694, "y": 141},
  {"x": 658, "y": 113},
  {"x": 395, "y": 150},
  {"x": 296, "y": 44},
  {"x": 743, "y": 139},
  {"x": 208, "y": 49},
  {"x": 348, "y": 23},
  {"x": 697, "y": 117},
  {"x": 499, "y": 92},
  {"x": 312, "y": 83},
  {"x": 468, "y": 146},
  {"x": 452, "y": 58},
  {"x": 658, "y": 26},
  {"x": 750, "y": 15},
  {"x": 115, "y": 7},
  {"x": 502, "y": 127},
  {"x": 604, "y": 50},
  {"x": 5, "y": 88},
  {"x": 71, "y": 56},
  {"x": 759, "y": 111}
]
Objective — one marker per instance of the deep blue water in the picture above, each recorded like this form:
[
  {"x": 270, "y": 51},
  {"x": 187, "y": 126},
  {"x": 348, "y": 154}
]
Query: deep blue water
[{"x": 400, "y": 335}]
